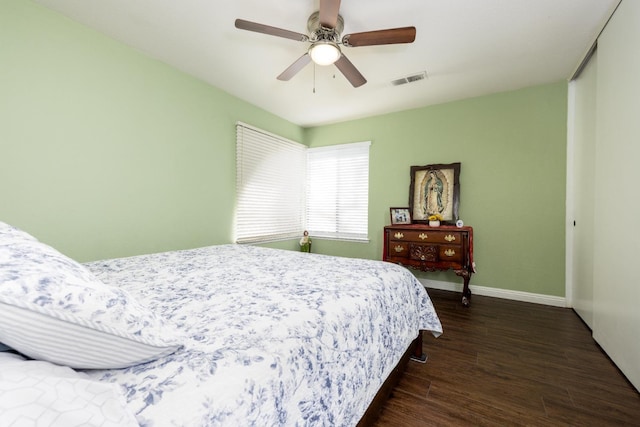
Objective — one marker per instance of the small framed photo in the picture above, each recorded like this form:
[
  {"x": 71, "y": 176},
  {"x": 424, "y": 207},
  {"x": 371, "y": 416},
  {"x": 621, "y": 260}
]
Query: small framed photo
[{"x": 400, "y": 216}]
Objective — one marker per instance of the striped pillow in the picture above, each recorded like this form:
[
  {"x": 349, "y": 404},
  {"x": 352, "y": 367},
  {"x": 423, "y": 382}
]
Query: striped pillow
[{"x": 54, "y": 309}]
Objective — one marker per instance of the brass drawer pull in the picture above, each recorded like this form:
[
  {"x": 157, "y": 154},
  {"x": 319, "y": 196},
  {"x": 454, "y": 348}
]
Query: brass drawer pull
[
  {"x": 423, "y": 236},
  {"x": 398, "y": 235},
  {"x": 450, "y": 238},
  {"x": 399, "y": 248},
  {"x": 449, "y": 252}
]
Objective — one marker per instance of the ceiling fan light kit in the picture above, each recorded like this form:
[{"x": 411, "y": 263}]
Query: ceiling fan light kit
[
  {"x": 325, "y": 27},
  {"x": 324, "y": 53}
]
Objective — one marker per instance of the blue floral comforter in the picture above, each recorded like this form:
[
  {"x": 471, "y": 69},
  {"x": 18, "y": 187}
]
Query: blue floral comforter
[{"x": 270, "y": 337}]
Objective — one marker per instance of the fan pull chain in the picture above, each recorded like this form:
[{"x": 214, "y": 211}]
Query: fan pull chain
[{"x": 314, "y": 77}]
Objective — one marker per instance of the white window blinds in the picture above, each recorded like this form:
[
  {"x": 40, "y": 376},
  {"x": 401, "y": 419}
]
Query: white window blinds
[
  {"x": 338, "y": 191},
  {"x": 270, "y": 181}
]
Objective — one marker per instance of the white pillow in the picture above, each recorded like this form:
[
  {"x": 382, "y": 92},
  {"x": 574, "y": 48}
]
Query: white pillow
[
  {"x": 10, "y": 232},
  {"x": 52, "y": 308},
  {"x": 40, "y": 393}
]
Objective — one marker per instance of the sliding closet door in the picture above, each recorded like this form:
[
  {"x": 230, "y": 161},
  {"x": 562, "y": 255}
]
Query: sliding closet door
[
  {"x": 583, "y": 104},
  {"x": 616, "y": 290}
]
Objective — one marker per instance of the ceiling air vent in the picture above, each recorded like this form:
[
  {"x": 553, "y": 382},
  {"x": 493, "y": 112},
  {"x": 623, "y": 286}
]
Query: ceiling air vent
[{"x": 410, "y": 79}]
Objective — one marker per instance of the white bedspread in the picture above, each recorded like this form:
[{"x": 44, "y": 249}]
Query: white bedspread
[{"x": 270, "y": 337}]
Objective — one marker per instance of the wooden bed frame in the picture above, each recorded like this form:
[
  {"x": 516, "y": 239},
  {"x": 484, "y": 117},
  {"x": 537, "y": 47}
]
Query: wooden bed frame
[{"x": 414, "y": 352}]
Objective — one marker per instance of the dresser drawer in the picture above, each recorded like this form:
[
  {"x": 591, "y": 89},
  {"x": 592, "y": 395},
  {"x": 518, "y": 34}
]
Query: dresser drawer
[
  {"x": 450, "y": 253},
  {"x": 398, "y": 249},
  {"x": 423, "y": 253},
  {"x": 435, "y": 253},
  {"x": 450, "y": 237}
]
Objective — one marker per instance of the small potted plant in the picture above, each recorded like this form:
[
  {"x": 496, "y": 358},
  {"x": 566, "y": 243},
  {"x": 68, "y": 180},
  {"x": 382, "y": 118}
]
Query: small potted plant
[{"x": 434, "y": 220}]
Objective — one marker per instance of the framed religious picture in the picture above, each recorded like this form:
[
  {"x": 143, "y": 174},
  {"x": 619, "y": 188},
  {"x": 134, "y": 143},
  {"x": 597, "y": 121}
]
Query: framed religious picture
[
  {"x": 435, "y": 191},
  {"x": 400, "y": 216}
]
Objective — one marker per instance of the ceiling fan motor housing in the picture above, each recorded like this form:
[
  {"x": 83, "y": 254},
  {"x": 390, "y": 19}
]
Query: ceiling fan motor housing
[{"x": 319, "y": 33}]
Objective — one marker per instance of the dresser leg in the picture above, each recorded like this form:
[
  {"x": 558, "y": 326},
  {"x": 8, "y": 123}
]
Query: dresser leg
[
  {"x": 466, "y": 292},
  {"x": 466, "y": 299}
]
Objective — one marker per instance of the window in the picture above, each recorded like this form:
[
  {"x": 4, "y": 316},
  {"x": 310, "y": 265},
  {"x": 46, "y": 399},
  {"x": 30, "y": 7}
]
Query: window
[
  {"x": 283, "y": 188},
  {"x": 270, "y": 183},
  {"x": 338, "y": 191}
]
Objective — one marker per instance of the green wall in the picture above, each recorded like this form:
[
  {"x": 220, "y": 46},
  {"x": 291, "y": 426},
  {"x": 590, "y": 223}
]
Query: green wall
[
  {"x": 105, "y": 152},
  {"x": 512, "y": 147}
]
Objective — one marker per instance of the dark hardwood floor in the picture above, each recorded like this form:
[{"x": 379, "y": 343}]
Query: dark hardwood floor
[{"x": 504, "y": 362}]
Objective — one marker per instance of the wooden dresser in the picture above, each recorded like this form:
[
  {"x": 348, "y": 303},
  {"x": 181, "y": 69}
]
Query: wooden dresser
[{"x": 427, "y": 248}]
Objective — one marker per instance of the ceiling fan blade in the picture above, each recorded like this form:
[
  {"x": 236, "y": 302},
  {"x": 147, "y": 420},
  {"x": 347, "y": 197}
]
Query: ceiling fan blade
[
  {"x": 329, "y": 13},
  {"x": 272, "y": 31},
  {"x": 390, "y": 36},
  {"x": 295, "y": 67},
  {"x": 350, "y": 72}
]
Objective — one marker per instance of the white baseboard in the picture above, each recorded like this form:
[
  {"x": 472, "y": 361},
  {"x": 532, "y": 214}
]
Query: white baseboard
[{"x": 497, "y": 293}]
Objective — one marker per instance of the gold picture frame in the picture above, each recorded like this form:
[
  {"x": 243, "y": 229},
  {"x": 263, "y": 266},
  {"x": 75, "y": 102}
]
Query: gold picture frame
[{"x": 435, "y": 189}]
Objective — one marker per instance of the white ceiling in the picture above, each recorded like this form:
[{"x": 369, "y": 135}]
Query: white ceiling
[{"x": 467, "y": 48}]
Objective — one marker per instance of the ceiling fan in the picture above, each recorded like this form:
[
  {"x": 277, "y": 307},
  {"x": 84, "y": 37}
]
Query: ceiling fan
[{"x": 325, "y": 27}]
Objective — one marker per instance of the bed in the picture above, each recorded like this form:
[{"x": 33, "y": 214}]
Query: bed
[{"x": 221, "y": 335}]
